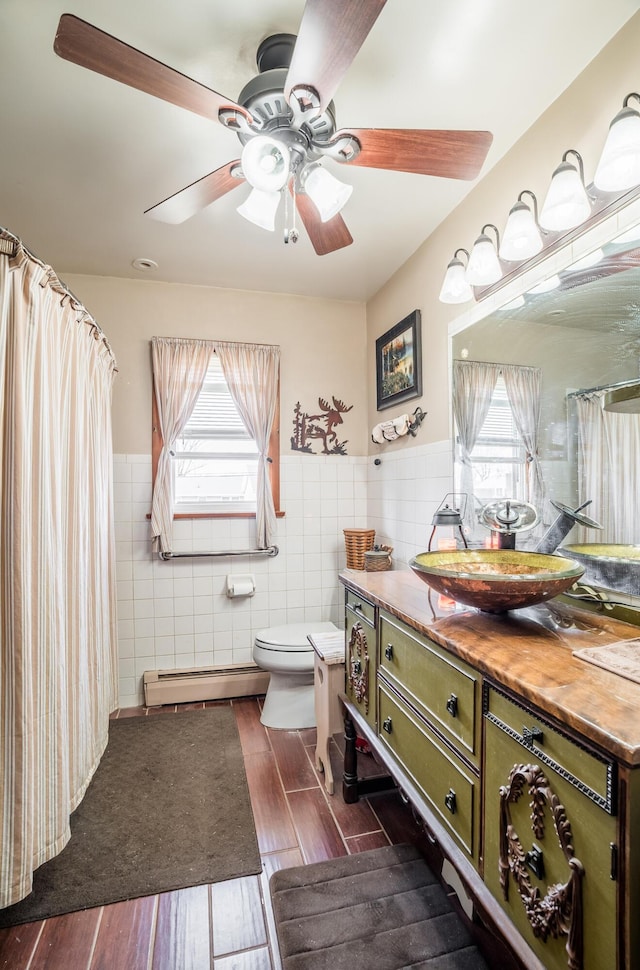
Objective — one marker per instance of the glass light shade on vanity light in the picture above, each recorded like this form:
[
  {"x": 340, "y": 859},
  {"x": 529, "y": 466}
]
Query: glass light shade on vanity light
[
  {"x": 521, "y": 238},
  {"x": 619, "y": 165},
  {"x": 567, "y": 203},
  {"x": 455, "y": 288},
  {"x": 484, "y": 266}
]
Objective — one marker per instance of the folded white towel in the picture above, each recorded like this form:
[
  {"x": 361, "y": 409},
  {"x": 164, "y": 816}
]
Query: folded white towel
[{"x": 390, "y": 430}]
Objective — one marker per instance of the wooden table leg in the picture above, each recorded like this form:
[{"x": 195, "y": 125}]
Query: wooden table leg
[{"x": 350, "y": 777}]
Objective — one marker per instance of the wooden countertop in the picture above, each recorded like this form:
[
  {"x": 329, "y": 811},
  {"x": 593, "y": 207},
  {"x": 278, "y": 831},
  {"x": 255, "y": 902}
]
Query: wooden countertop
[{"x": 528, "y": 651}]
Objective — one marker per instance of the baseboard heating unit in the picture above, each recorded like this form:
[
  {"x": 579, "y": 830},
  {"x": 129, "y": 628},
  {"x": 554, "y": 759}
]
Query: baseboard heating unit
[{"x": 192, "y": 684}]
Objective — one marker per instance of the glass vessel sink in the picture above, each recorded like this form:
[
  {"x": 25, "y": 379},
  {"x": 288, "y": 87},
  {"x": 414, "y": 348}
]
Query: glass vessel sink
[{"x": 496, "y": 580}]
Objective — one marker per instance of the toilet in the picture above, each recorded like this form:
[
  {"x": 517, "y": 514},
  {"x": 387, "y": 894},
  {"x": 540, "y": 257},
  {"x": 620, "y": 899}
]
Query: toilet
[{"x": 289, "y": 657}]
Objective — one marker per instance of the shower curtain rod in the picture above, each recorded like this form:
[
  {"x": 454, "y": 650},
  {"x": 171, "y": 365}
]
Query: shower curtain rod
[
  {"x": 7, "y": 237},
  {"x": 603, "y": 387}
]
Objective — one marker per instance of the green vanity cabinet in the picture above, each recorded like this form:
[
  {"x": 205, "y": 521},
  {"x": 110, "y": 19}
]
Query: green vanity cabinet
[
  {"x": 522, "y": 760},
  {"x": 550, "y": 837},
  {"x": 361, "y": 655}
]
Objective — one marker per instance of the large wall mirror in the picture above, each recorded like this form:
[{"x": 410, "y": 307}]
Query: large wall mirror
[{"x": 579, "y": 329}]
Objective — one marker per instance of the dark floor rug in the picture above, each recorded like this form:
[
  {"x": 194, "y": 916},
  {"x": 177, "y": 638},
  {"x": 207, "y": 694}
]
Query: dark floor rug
[
  {"x": 168, "y": 807},
  {"x": 381, "y": 909}
]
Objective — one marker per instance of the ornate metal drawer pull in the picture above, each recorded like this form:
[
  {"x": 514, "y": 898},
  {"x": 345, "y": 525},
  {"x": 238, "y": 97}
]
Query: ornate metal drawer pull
[
  {"x": 388, "y": 651},
  {"x": 534, "y": 859},
  {"x": 529, "y": 735},
  {"x": 387, "y": 725},
  {"x": 450, "y": 801},
  {"x": 452, "y": 705}
]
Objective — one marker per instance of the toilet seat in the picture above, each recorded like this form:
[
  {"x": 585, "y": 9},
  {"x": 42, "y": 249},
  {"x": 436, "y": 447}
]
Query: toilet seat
[{"x": 291, "y": 637}]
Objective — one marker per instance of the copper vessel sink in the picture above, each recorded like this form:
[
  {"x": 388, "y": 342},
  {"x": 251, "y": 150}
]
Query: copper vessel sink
[{"x": 496, "y": 580}]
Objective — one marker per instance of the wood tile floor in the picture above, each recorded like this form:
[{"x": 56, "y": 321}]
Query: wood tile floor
[{"x": 229, "y": 925}]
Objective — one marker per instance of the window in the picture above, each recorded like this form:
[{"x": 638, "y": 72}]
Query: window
[
  {"x": 215, "y": 459},
  {"x": 498, "y": 457}
]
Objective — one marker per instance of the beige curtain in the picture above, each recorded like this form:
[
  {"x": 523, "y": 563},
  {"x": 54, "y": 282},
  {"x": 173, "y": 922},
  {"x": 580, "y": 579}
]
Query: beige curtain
[
  {"x": 252, "y": 372},
  {"x": 523, "y": 386},
  {"x": 608, "y": 471},
  {"x": 179, "y": 370},
  {"x": 58, "y": 673},
  {"x": 473, "y": 384}
]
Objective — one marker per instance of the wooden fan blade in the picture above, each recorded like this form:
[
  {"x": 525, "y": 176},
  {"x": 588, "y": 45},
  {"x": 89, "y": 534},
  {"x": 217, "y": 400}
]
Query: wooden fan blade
[
  {"x": 325, "y": 237},
  {"x": 80, "y": 42},
  {"x": 331, "y": 34},
  {"x": 188, "y": 201},
  {"x": 447, "y": 154}
]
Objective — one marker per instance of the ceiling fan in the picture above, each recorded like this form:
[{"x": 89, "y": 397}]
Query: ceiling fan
[{"x": 285, "y": 120}]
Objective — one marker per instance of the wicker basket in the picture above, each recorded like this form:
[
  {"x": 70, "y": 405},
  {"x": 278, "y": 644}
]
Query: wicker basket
[
  {"x": 357, "y": 542},
  {"x": 378, "y": 560}
]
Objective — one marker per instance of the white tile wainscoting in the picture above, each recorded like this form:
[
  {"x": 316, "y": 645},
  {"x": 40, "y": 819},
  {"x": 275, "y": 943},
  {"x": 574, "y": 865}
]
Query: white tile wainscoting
[{"x": 177, "y": 614}]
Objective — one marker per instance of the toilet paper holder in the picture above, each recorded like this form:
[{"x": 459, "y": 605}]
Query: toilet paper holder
[{"x": 240, "y": 585}]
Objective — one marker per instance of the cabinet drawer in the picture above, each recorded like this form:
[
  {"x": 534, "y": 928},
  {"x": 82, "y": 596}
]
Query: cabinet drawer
[
  {"x": 589, "y": 773},
  {"x": 439, "y": 684},
  {"x": 361, "y": 607},
  {"x": 540, "y": 831},
  {"x": 447, "y": 787}
]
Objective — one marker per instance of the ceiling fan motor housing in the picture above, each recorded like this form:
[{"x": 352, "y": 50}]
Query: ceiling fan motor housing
[{"x": 263, "y": 97}]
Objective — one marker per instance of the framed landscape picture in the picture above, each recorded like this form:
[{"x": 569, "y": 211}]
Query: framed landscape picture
[{"x": 399, "y": 363}]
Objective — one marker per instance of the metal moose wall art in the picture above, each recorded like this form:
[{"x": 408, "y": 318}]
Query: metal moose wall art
[{"x": 308, "y": 428}]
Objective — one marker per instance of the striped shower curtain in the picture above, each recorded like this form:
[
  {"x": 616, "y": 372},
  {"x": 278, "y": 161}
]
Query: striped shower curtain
[{"x": 57, "y": 590}]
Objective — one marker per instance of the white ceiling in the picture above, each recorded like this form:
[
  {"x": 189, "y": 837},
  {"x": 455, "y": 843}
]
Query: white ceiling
[{"x": 83, "y": 156}]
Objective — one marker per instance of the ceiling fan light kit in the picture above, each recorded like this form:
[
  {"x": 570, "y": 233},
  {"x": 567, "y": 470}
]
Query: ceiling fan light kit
[
  {"x": 285, "y": 120},
  {"x": 567, "y": 205},
  {"x": 265, "y": 163},
  {"x": 260, "y": 208},
  {"x": 328, "y": 194}
]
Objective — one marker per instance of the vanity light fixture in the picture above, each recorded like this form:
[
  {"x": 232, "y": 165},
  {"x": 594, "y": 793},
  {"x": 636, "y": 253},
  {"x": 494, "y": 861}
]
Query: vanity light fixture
[
  {"x": 455, "y": 288},
  {"x": 567, "y": 203},
  {"x": 484, "y": 267},
  {"x": 619, "y": 165},
  {"x": 566, "y": 207},
  {"x": 521, "y": 236}
]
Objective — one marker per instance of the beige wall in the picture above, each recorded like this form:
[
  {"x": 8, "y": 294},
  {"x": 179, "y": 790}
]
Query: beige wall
[
  {"x": 322, "y": 344},
  {"x": 579, "y": 119}
]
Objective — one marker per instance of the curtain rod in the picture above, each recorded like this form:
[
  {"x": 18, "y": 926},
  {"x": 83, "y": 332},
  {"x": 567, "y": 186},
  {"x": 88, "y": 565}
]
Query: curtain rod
[
  {"x": 11, "y": 245},
  {"x": 603, "y": 387},
  {"x": 494, "y": 363}
]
